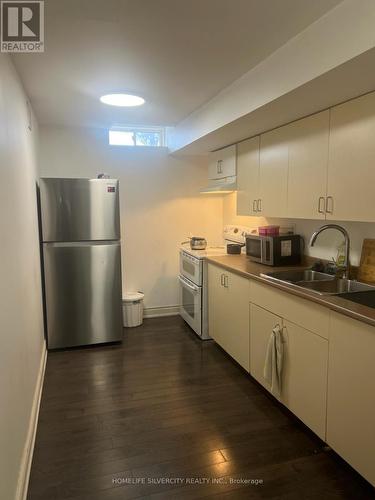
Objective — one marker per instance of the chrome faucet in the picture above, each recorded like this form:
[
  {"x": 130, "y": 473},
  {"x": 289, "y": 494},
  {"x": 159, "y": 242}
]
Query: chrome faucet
[{"x": 347, "y": 244}]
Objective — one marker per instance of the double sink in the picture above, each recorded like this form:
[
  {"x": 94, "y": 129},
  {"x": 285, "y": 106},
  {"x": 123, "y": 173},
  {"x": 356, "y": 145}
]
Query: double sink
[{"x": 326, "y": 284}]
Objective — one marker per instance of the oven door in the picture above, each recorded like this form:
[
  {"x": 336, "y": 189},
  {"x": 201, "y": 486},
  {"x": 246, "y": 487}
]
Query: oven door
[
  {"x": 191, "y": 304},
  {"x": 191, "y": 268}
]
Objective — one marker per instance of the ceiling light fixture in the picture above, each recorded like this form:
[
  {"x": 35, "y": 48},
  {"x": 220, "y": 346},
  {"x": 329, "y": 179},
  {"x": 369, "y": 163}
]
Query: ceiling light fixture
[{"x": 122, "y": 100}]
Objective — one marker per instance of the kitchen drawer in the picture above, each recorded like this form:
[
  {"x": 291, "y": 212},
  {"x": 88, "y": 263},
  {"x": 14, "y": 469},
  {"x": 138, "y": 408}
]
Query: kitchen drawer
[{"x": 299, "y": 311}]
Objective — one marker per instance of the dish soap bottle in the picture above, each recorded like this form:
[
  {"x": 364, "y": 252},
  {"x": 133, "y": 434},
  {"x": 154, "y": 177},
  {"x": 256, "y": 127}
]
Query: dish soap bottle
[{"x": 340, "y": 256}]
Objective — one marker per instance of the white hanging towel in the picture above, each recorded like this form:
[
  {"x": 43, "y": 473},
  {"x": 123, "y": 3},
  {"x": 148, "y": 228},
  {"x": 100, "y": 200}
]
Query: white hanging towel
[{"x": 274, "y": 361}]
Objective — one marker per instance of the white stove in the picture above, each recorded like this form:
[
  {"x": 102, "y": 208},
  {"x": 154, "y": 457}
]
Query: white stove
[
  {"x": 202, "y": 254},
  {"x": 193, "y": 278},
  {"x": 231, "y": 234}
]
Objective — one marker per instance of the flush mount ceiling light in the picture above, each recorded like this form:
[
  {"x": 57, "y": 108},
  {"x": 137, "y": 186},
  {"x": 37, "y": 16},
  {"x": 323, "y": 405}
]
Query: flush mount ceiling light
[{"x": 122, "y": 100}]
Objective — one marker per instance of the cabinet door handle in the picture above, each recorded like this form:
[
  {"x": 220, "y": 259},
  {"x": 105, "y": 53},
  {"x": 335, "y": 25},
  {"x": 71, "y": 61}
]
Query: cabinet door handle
[
  {"x": 255, "y": 203},
  {"x": 226, "y": 281},
  {"x": 259, "y": 205},
  {"x": 329, "y": 210},
  {"x": 320, "y": 209},
  {"x": 222, "y": 280},
  {"x": 219, "y": 166}
]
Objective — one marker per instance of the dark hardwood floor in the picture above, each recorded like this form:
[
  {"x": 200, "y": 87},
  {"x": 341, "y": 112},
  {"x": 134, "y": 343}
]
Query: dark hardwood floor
[{"x": 167, "y": 416}]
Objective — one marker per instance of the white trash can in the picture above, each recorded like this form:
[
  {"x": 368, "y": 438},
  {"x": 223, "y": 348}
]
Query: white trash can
[{"x": 132, "y": 309}]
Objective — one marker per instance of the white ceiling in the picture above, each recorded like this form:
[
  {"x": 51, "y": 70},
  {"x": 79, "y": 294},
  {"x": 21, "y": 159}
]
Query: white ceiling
[{"x": 177, "y": 54}]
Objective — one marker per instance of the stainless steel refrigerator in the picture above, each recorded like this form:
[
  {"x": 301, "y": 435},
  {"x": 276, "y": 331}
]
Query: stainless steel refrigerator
[{"x": 80, "y": 231}]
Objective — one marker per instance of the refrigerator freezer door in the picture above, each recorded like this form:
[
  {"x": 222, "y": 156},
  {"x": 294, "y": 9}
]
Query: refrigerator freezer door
[
  {"x": 79, "y": 209},
  {"x": 83, "y": 293}
]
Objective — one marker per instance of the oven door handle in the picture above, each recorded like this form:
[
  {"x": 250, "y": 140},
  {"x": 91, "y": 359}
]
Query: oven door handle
[{"x": 185, "y": 283}]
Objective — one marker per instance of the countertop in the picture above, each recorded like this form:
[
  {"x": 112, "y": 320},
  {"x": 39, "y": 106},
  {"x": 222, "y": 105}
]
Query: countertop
[{"x": 242, "y": 265}]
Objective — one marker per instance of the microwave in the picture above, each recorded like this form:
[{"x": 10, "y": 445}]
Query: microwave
[{"x": 282, "y": 250}]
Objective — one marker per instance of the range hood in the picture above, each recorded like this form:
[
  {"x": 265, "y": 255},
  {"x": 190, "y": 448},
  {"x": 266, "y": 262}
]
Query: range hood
[{"x": 220, "y": 186}]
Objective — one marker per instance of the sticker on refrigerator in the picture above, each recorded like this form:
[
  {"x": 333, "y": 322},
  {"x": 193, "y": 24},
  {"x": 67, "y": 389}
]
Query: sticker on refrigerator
[
  {"x": 111, "y": 189},
  {"x": 286, "y": 248}
]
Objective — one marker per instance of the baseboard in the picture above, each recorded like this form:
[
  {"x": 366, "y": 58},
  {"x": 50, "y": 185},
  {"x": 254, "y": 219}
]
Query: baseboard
[
  {"x": 24, "y": 474},
  {"x": 155, "y": 312}
]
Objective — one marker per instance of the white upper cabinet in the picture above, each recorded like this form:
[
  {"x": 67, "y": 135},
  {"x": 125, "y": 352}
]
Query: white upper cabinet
[
  {"x": 222, "y": 163},
  {"x": 320, "y": 167},
  {"x": 308, "y": 162},
  {"x": 351, "y": 170},
  {"x": 273, "y": 173},
  {"x": 248, "y": 177}
]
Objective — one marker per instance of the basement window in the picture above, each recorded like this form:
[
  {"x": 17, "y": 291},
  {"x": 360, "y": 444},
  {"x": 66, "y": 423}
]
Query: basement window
[{"x": 137, "y": 136}]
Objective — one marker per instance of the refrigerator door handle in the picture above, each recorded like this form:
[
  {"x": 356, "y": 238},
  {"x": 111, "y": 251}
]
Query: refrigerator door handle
[{"x": 73, "y": 244}]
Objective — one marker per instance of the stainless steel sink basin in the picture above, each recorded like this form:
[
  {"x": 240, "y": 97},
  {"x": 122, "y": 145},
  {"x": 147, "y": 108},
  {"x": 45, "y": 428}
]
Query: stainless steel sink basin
[
  {"x": 321, "y": 283},
  {"x": 296, "y": 275},
  {"x": 335, "y": 286},
  {"x": 364, "y": 298}
]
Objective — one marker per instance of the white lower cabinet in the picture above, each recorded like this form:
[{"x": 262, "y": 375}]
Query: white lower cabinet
[
  {"x": 304, "y": 380},
  {"x": 228, "y": 312},
  {"x": 305, "y": 364},
  {"x": 328, "y": 372},
  {"x": 351, "y": 393},
  {"x": 216, "y": 302},
  {"x": 261, "y": 324},
  {"x": 305, "y": 313}
]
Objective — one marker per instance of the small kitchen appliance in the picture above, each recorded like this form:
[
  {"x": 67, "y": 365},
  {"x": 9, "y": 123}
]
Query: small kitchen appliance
[
  {"x": 284, "y": 250},
  {"x": 235, "y": 248},
  {"x": 198, "y": 243}
]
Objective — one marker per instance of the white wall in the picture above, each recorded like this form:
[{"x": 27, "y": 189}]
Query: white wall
[
  {"x": 327, "y": 243},
  {"x": 160, "y": 205},
  {"x": 21, "y": 324},
  {"x": 318, "y": 49}
]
